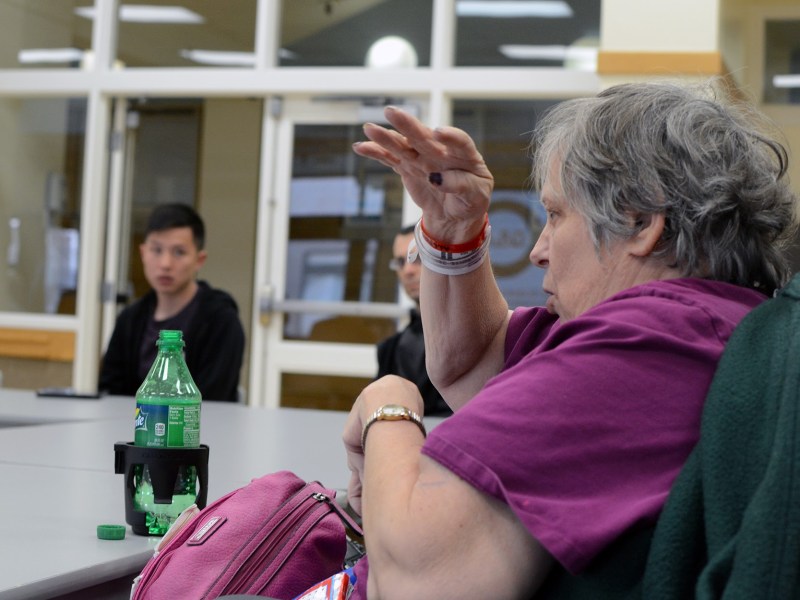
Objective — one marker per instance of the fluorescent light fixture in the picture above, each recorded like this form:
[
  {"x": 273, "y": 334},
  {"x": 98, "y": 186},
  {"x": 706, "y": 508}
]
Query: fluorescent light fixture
[
  {"x": 582, "y": 58},
  {"x": 224, "y": 58},
  {"x": 525, "y": 52},
  {"x": 144, "y": 13},
  {"x": 49, "y": 55},
  {"x": 786, "y": 81},
  {"x": 507, "y": 9},
  {"x": 220, "y": 58}
]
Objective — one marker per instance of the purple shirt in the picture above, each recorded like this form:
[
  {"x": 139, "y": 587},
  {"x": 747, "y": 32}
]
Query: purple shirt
[{"x": 589, "y": 422}]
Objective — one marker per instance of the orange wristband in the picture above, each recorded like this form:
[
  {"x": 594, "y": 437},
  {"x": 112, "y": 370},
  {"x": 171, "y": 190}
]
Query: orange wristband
[{"x": 467, "y": 246}]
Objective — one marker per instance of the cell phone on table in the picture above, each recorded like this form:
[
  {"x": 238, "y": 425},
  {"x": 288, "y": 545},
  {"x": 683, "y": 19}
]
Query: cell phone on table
[{"x": 65, "y": 392}]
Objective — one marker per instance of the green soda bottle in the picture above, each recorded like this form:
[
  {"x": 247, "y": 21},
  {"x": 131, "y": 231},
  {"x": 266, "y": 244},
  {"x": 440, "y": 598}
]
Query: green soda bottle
[{"x": 167, "y": 416}]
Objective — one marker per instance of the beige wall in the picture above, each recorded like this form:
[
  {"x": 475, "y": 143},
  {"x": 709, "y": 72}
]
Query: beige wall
[
  {"x": 228, "y": 198},
  {"x": 34, "y": 24},
  {"x": 743, "y": 51},
  {"x": 31, "y": 374},
  {"x": 643, "y": 39},
  {"x": 673, "y": 35},
  {"x": 31, "y": 145},
  {"x": 659, "y": 26}
]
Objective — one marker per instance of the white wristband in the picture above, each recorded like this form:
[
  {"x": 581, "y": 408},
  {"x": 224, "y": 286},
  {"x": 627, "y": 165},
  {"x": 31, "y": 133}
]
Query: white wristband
[{"x": 448, "y": 263}]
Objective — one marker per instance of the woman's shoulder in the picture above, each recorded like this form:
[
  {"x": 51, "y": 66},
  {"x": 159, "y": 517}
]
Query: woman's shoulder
[
  {"x": 691, "y": 307},
  {"x": 694, "y": 290},
  {"x": 717, "y": 299}
]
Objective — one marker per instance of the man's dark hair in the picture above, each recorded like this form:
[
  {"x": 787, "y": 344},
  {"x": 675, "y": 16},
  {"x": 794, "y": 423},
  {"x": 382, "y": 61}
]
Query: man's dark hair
[{"x": 172, "y": 216}]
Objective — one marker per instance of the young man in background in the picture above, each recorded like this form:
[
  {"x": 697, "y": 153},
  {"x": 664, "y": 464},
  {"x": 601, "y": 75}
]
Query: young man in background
[{"x": 172, "y": 254}]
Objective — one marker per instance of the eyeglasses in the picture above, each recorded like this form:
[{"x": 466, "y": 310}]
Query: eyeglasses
[{"x": 397, "y": 263}]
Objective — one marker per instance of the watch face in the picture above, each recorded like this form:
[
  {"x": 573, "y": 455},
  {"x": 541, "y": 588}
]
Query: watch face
[{"x": 393, "y": 413}]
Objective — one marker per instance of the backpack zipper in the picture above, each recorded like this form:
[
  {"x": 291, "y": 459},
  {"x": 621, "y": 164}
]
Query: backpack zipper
[{"x": 299, "y": 519}]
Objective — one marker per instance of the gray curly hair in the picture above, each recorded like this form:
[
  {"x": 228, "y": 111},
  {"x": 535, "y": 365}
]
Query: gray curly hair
[{"x": 708, "y": 165}]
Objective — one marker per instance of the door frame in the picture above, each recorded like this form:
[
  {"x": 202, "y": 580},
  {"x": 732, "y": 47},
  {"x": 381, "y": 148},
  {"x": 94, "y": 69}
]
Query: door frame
[{"x": 270, "y": 354}]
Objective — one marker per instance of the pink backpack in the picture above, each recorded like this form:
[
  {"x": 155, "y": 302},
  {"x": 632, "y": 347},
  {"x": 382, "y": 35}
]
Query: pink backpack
[{"x": 276, "y": 536}]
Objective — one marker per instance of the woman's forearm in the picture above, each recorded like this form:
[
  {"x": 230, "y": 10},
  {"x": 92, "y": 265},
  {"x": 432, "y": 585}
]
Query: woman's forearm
[
  {"x": 416, "y": 512},
  {"x": 464, "y": 318}
]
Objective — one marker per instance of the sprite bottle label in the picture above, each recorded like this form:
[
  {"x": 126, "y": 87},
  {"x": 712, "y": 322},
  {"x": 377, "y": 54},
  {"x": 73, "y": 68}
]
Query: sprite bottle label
[{"x": 167, "y": 425}]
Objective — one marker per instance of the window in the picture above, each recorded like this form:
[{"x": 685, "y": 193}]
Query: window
[{"x": 782, "y": 62}]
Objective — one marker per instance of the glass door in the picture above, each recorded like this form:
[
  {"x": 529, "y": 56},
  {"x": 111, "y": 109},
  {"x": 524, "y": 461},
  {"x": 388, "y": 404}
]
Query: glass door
[
  {"x": 202, "y": 152},
  {"x": 326, "y": 295},
  {"x": 42, "y": 157}
]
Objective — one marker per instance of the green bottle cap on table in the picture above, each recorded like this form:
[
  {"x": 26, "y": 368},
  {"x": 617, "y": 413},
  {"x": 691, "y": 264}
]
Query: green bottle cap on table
[{"x": 111, "y": 532}]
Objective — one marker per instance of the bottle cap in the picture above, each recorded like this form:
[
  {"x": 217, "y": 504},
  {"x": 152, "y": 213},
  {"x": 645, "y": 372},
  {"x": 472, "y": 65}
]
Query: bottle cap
[
  {"x": 170, "y": 338},
  {"x": 170, "y": 335},
  {"x": 111, "y": 532}
]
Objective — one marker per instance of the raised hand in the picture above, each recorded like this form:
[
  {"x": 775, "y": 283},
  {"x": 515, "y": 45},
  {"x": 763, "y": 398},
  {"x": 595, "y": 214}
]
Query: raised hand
[{"x": 441, "y": 169}]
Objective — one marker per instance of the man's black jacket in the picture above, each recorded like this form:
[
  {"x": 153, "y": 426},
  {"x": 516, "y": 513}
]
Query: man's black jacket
[{"x": 214, "y": 346}]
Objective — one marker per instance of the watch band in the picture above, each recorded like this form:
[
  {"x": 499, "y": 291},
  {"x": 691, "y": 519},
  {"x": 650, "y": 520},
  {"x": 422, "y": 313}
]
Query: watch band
[{"x": 392, "y": 412}]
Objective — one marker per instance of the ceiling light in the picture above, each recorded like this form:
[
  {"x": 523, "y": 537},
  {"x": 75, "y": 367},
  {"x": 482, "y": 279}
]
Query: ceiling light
[
  {"x": 505, "y": 9},
  {"x": 220, "y": 58},
  {"x": 224, "y": 58},
  {"x": 391, "y": 52},
  {"x": 49, "y": 55},
  {"x": 525, "y": 52},
  {"x": 786, "y": 81},
  {"x": 143, "y": 13},
  {"x": 580, "y": 58}
]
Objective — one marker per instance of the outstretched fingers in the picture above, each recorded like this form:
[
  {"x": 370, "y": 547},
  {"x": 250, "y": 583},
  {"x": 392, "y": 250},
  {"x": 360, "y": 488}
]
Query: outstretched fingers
[
  {"x": 441, "y": 148},
  {"x": 461, "y": 150},
  {"x": 441, "y": 168},
  {"x": 392, "y": 149},
  {"x": 418, "y": 136},
  {"x": 415, "y": 149}
]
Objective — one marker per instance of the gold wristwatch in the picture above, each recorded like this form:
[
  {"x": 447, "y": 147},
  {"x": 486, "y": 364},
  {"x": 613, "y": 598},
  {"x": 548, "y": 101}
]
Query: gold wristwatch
[{"x": 392, "y": 412}]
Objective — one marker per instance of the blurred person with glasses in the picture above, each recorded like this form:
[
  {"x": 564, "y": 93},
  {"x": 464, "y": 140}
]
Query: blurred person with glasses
[{"x": 403, "y": 353}]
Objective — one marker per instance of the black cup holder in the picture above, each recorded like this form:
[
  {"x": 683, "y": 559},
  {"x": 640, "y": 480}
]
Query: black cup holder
[{"x": 163, "y": 464}]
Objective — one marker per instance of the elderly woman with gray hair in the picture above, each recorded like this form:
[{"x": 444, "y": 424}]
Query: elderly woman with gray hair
[{"x": 667, "y": 209}]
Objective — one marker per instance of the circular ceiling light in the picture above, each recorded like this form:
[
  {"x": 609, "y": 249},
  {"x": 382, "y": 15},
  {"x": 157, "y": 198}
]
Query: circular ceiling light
[{"x": 391, "y": 52}]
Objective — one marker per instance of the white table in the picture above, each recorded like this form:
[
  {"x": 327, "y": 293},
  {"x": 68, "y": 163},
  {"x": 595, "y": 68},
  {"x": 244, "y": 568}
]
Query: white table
[
  {"x": 58, "y": 482},
  {"x": 20, "y": 407},
  {"x": 49, "y": 540},
  {"x": 244, "y": 443}
]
